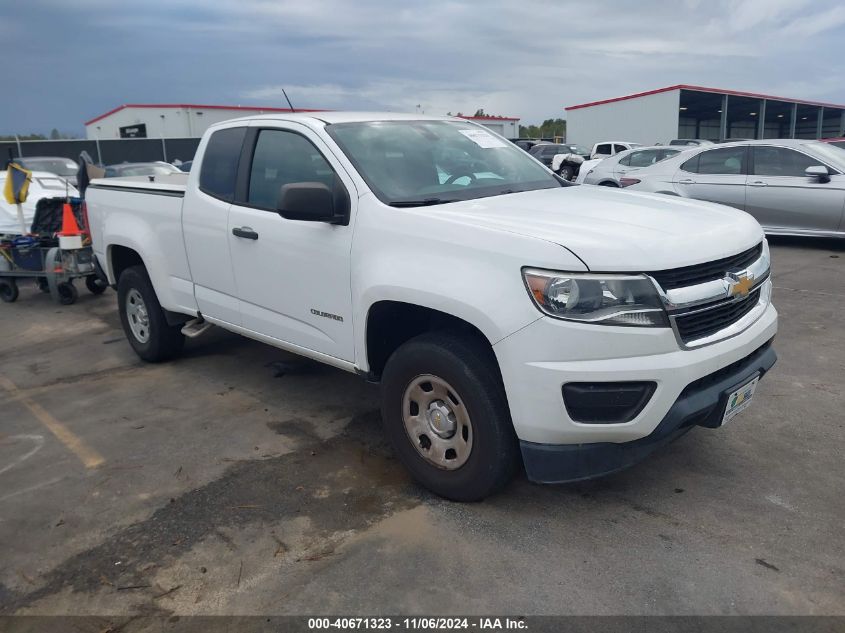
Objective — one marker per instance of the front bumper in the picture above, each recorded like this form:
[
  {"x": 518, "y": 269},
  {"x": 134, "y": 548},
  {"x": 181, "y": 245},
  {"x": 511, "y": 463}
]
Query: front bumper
[
  {"x": 540, "y": 358},
  {"x": 701, "y": 403}
]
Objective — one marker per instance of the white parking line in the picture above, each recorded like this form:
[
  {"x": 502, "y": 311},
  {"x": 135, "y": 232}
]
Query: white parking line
[{"x": 38, "y": 442}]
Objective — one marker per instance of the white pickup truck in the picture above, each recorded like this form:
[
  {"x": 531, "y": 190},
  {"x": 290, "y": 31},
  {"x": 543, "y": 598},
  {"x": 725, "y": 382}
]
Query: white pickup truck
[{"x": 510, "y": 317}]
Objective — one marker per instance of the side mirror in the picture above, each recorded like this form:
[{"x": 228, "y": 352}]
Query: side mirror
[
  {"x": 314, "y": 202},
  {"x": 818, "y": 171}
]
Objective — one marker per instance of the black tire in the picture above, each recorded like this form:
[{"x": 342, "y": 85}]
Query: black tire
[
  {"x": 95, "y": 285},
  {"x": 163, "y": 341},
  {"x": 470, "y": 368},
  {"x": 567, "y": 173},
  {"x": 8, "y": 291},
  {"x": 67, "y": 293}
]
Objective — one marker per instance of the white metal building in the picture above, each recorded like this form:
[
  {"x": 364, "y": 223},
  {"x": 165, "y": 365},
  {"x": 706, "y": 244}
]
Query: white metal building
[
  {"x": 504, "y": 125},
  {"x": 695, "y": 112},
  {"x": 185, "y": 120}
]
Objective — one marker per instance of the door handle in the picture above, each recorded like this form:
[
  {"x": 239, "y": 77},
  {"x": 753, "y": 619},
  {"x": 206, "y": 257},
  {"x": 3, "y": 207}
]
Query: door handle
[
  {"x": 686, "y": 181},
  {"x": 758, "y": 183},
  {"x": 245, "y": 232}
]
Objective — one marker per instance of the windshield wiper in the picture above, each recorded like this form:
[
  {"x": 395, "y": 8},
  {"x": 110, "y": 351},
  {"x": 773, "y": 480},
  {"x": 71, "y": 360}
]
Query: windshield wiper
[{"x": 425, "y": 202}]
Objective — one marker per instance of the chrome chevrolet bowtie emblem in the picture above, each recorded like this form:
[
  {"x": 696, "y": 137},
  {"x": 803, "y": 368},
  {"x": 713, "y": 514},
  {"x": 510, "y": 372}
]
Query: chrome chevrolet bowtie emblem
[{"x": 739, "y": 284}]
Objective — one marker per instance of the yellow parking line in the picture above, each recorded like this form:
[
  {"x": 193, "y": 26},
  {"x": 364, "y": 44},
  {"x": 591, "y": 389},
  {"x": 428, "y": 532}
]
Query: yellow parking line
[{"x": 87, "y": 455}]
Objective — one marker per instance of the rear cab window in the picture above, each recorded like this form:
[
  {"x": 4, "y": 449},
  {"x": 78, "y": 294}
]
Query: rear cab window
[
  {"x": 604, "y": 149},
  {"x": 219, "y": 169}
]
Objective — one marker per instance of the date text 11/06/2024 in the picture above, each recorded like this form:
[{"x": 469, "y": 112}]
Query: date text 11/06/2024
[{"x": 418, "y": 623}]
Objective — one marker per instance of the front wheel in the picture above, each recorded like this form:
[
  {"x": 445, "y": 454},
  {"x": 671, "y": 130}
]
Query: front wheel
[
  {"x": 567, "y": 173},
  {"x": 446, "y": 415},
  {"x": 143, "y": 319}
]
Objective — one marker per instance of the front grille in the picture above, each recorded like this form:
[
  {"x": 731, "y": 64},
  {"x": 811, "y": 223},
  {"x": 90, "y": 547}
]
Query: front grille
[
  {"x": 700, "y": 273},
  {"x": 706, "y": 322}
]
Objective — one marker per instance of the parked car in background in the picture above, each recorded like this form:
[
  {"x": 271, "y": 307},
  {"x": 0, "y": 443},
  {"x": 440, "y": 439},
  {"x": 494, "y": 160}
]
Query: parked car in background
[
  {"x": 608, "y": 172},
  {"x": 545, "y": 152},
  {"x": 836, "y": 142},
  {"x": 564, "y": 159},
  {"x": 525, "y": 143},
  {"x": 586, "y": 167},
  {"x": 690, "y": 141},
  {"x": 64, "y": 167},
  {"x": 791, "y": 186},
  {"x": 43, "y": 184},
  {"x": 611, "y": 148},
  {"x": 157, "y": 168}
]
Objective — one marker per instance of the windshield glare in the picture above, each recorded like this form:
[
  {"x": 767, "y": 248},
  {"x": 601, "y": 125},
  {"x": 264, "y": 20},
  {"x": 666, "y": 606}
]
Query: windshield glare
[
  {"x": 579, "y": 149},
  {"x": 429, "y": 162},
  {"x": 54, "y": 166}
]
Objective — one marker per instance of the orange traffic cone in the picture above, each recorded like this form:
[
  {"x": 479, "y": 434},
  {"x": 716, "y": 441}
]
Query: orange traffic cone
[{"x": 69, "y": 225}]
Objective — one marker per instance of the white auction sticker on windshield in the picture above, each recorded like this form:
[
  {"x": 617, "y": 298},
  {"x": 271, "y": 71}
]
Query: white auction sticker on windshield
[{"x": 482, "y": 138}]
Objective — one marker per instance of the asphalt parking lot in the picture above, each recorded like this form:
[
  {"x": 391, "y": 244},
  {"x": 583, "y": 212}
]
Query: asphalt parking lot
[{"x": 242, "y": 480}]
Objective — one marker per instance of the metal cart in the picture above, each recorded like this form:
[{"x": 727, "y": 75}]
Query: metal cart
[{"x": 40, "y": 257}]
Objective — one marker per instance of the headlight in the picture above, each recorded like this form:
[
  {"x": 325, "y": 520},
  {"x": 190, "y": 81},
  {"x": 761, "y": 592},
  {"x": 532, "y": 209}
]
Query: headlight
[{"x": 626, "y": 300}]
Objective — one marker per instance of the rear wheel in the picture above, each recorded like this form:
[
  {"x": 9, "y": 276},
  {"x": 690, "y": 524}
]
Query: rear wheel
[
  {"x": 445, "y": 413},
  {"x": 8, "y": 291},
  {"x": 143, "y": 319}
]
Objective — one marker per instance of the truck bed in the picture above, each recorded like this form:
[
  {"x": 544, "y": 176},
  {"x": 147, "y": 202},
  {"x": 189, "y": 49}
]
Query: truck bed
[{"x": 145, "y": 216}]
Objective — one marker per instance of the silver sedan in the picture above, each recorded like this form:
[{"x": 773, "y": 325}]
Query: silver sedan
[
  {"x": 791, "y": 186},
  {"x": 608, "y": 172}
]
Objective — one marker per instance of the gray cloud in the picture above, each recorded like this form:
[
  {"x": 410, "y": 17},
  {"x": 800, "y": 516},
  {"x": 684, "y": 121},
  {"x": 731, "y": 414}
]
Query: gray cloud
[{"x": 527, "y": 59}]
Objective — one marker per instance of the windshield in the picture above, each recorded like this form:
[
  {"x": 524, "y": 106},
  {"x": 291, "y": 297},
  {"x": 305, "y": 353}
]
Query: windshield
[
  {"x": 415, "y": 163},
  {"x": 53, "y": 165},
  {"x": 578, "y": 149}
]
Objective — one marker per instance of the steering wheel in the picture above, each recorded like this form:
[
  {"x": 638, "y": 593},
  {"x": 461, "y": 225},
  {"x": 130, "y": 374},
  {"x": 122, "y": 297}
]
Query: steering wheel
[{"x": 454, "y": 177}]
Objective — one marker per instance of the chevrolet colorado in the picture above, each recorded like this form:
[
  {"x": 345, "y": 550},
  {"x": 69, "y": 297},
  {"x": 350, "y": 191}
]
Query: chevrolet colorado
[{"x": 511, "y": 317}]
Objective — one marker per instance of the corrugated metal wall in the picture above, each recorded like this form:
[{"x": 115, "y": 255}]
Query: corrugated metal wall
[{"x": 648, "y": 120}]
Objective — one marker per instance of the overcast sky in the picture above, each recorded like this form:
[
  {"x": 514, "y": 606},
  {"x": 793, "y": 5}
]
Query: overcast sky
[{"x": 68, "y": 61}]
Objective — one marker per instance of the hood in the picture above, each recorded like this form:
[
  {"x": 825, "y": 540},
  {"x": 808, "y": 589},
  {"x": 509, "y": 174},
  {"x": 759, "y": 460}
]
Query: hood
[{"x": 612, "y": 230}]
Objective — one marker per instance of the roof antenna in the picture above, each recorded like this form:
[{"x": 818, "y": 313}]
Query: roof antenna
[{"x": 288, "y": 100}]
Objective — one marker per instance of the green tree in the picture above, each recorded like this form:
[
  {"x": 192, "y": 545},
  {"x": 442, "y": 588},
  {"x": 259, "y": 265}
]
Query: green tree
[
  {"x": 24, "y": 137},
  {"x": 55, "y": 135},
  {"x": 550, "y": 128}
]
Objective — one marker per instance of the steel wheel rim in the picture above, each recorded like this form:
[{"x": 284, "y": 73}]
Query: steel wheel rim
[
  {"x": 437, "y": 422},
  {"x": 137, "y": 316}
]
